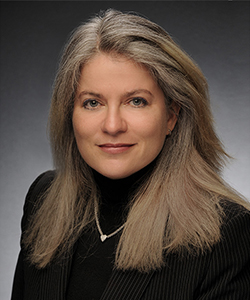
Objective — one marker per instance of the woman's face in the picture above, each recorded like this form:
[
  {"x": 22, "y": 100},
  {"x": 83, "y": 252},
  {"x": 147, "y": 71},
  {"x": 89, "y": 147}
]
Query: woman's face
[{"x": 120, "y": 119}]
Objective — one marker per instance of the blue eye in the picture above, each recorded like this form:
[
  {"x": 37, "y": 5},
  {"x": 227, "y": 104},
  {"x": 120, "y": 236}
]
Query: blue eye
[
  {"x": 90, "y": 104},
  {"x": 138, "y": 102}
]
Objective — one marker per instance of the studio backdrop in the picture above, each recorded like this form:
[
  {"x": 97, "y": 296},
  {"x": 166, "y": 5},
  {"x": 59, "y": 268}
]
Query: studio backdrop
[{"x": 215, "y": 34}]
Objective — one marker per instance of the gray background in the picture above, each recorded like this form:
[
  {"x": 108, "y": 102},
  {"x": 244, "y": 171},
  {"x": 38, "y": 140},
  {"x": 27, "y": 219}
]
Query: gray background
[{"x": 215, "y": 34}]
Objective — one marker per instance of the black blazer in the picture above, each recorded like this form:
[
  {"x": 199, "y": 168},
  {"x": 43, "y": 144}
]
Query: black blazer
[{"x": 222, "y": 274}]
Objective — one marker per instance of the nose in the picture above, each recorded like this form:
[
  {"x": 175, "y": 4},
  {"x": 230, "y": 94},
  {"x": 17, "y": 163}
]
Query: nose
[{"x": 113, "y": 122}]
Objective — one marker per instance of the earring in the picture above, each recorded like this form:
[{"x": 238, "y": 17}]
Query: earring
[{"x": 170, "y": 131}]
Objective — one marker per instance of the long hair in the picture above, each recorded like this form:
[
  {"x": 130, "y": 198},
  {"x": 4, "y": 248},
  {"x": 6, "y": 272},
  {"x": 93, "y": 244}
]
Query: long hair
[{"x": 179, "y": 206}]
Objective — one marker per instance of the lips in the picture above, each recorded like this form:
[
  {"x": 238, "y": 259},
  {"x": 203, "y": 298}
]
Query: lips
[{"x": 115, "y": 148}]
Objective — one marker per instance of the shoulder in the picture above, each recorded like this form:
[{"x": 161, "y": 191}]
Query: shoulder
[
  {"x": 232, "y": 208},
  {"x": 41, "y": 182},
  {"x": 236, "y": 219},
  {"x": 235, "y": 228},
  {"x": 39, "y": 186},
  {"x": 228, "y": 272},
  {"x": 37, "y": 189}
]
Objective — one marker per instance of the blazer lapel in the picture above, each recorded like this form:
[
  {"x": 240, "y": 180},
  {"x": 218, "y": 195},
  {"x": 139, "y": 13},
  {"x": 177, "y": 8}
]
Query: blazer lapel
[
  {"x": 126, "y": 285},
  {"x": 54, "y": 280},
  {"x": 49, "y": 283}
]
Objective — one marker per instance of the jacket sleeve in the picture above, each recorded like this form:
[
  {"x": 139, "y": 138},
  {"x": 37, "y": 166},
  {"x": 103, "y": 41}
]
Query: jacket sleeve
[
  {"x": 228, "y": 274},
  {"x": 39, "y": 185}
]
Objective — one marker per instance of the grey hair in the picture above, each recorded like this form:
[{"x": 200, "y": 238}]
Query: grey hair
[{"x": 185, "y": 188}]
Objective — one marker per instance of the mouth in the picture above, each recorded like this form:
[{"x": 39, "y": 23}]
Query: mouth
[{"x": 115, "y": 148}]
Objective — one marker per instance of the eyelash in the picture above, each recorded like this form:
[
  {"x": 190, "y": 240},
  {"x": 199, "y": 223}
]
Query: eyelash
[
  {"x": 86, "y": 103},
  {"x": 143, "y": 102}
]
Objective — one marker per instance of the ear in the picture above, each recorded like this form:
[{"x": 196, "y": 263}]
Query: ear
[{"x": 173, "y": 113}]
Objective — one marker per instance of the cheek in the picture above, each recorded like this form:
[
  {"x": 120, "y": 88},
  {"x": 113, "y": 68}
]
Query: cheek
[
  {"x": 81, "y": 126},
  {"x": 77, "y": 128},
  {"x": 155, "y": 129},
  {"x": 153, "y": 138}
]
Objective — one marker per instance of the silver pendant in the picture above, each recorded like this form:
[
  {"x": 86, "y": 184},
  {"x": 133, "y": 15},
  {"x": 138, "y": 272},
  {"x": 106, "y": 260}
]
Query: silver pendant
[{"x": 103, "y": 237}]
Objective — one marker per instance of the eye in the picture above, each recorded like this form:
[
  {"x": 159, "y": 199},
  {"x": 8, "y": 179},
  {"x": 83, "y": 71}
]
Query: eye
[
  {"x": 90, "y": 104},
  {"x": 138, "y": 102}
]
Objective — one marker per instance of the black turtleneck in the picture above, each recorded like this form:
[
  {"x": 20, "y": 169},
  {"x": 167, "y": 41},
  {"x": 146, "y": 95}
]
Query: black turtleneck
[{"x": 93, "y": 260}]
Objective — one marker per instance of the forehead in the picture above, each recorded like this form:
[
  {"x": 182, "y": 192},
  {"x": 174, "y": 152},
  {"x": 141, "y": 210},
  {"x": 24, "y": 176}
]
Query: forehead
[
  {"x": 113, "y": 69},
  {"x": 102, "y": 60}
]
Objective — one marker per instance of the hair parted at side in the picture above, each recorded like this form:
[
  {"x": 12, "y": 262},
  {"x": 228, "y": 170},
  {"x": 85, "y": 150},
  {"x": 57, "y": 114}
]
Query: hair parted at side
[{"x": 181, "y": 199}]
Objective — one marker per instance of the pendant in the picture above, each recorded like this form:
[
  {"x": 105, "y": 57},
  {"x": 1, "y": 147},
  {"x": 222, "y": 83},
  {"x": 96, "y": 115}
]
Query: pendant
[{"x": 103, "y": 237}]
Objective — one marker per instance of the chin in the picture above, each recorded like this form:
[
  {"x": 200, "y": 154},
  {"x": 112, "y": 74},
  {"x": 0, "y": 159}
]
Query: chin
[{"x": 115, "y": 175}]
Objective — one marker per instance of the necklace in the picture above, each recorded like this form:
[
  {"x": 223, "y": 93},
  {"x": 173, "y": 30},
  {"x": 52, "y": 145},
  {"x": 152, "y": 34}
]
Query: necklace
[{"x": 103, "y": 236}]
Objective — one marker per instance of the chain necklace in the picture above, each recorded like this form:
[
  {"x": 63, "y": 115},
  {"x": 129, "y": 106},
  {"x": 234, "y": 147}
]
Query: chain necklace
[{"x": 103, "y": 236}]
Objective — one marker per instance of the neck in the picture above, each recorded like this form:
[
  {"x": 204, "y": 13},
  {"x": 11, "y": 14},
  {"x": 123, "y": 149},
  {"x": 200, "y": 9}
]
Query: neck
[
  {"x": 115, "y": 191},
  {"x": 115, "y": 196}
]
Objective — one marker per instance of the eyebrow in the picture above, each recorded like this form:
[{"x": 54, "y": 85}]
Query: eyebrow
[
  {"x": 127, "y": 94},
  {"x": 90, "y": 93},
  {"x": 134, "y": 92}
]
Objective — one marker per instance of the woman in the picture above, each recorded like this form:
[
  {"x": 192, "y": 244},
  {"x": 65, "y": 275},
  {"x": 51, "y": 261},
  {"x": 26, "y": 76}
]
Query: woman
[{"x": 136, "y": 208}]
